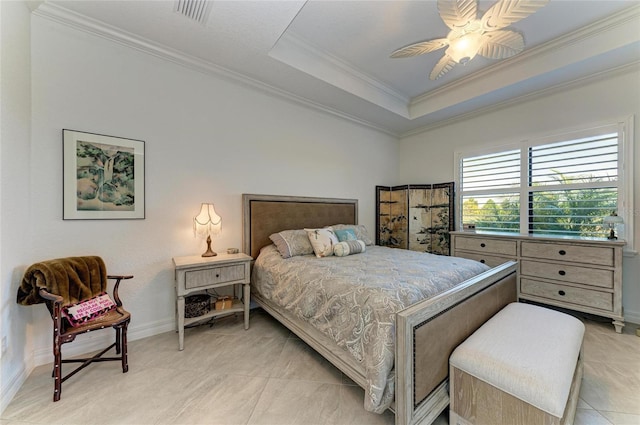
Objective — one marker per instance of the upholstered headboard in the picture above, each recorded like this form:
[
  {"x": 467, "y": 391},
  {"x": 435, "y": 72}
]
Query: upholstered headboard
[{"x": 263, "y": 215}]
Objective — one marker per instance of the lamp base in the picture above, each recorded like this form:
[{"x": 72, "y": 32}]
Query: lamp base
[
  {"x": 612, "y": 235},
  {"x": 209, "y": 252}
]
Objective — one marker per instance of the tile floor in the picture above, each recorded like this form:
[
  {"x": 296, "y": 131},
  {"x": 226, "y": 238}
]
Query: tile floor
[{"x": 265, "y": 375}]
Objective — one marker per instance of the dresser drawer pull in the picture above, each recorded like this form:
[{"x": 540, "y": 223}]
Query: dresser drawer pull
[
  {"x": 561, "y": 293},
  {"x": 482, "y": 245},
  {"x": 562, "y": 273},
  {"x": 562, "y": 252},
  {"x": 482, "y": 261},
  {"x": 217, "y": 275}
]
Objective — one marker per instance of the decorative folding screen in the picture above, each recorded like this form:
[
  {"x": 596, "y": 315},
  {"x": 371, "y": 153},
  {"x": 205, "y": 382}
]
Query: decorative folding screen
[{"x": 416, "y": 217}]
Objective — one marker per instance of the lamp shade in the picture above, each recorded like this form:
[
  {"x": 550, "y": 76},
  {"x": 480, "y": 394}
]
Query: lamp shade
[
  {"x": 612, "y": 219},
  {"x": 207, "y": 222}
]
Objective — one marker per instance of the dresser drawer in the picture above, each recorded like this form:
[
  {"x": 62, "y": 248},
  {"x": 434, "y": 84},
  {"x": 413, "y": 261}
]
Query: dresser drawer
[
  {"x": 212, "y": 276},
  {"x": 566, "y": 273},
  {"x": 484, "y": 245},
  {"x": 489, "y": 260},
  {"x": 603, "y": 256},
  {"x": 567, "y": 294}
]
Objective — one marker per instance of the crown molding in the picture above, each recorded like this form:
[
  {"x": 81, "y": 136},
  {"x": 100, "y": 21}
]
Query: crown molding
[
  {"x": 303, "y": 55},
  {"x": 621, "y": 70},
  {"x": 607, "y": 31},
  {"x": 33, "y": 4},
  {"x": 623, "y": 22},
  {"x": 71, "y": 19}
]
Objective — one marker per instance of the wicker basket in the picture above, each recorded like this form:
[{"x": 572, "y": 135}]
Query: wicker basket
[{"x": 196, "y": 305}]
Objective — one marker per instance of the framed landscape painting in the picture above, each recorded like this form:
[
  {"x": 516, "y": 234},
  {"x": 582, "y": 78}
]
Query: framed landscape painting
[{"x": 103, "y": 177}]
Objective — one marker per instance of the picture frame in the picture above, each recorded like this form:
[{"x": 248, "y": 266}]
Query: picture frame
[{"x": 103, "y": 176}]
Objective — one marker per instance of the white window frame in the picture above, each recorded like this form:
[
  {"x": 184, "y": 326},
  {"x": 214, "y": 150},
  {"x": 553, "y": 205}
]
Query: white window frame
[{"x": 624, "y": 128}]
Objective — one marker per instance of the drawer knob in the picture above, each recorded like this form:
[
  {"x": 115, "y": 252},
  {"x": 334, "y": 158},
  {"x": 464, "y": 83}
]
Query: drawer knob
[
  {"x": 562, "y": 252},
  {"x": 482, "y": 261},
  {"x": 561, "y": 293},
  {"x": 483, "y": 245},
  {"x": 217, "y": 275},
  {"x": 562, "y": 272}
]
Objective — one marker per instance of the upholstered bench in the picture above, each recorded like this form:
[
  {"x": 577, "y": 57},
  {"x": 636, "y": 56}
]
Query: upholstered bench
[{"x": 523, "y": 366}]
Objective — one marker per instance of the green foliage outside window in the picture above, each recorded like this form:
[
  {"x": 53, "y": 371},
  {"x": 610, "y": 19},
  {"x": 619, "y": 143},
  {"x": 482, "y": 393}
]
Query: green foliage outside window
[{"x": 574, "y": 212}]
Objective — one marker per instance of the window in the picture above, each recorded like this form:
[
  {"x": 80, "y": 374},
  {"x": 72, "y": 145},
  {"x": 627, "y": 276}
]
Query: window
[
  {"x": 490, "y": 191},
  {"x": 572, "y": 186},
  {"x": 557, "y": 186}
]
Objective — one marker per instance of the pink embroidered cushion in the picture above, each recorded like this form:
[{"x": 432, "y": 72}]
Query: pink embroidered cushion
[{"x": 87, "y": 310}]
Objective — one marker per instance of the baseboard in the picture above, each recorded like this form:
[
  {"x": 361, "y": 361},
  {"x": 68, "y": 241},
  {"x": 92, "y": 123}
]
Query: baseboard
[
  {"x": 12, "y": 385},
  {"x": 632, "y": 317},
  {"x": 94, "y": 341}
]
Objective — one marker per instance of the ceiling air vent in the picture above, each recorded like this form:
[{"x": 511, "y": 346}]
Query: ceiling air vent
[{"x": 196, "y": 10}]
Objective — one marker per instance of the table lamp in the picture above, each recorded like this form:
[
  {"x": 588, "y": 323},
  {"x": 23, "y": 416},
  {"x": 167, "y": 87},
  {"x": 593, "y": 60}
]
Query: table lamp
[
  {"x": 610, "y": 222},
  {"x": 207, "y": 223}
]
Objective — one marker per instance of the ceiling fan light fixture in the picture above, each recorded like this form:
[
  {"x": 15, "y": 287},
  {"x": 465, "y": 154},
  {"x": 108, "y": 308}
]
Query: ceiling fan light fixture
[
  {"x": 470, "y": 36},
  {"x": 465, "y": 48}
]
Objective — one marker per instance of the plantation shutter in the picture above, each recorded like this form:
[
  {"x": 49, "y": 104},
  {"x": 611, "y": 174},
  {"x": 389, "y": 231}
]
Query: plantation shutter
[
  {"x": 572, "y": 185},
  {"x": 490, "y": 187}
]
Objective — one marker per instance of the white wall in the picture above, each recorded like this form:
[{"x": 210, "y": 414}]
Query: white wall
[
  {"x": 429, "y": 156},
  {"x": 207, "y": 139},
  {"x": 15, "y": 130}
]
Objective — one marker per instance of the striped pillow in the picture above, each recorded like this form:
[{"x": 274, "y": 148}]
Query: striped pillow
[{"x": 342, "y": 249}]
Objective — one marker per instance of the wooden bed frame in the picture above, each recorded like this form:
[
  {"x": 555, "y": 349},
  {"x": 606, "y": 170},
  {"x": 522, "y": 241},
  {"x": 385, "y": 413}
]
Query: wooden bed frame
[{"x": 426, "y": 332}]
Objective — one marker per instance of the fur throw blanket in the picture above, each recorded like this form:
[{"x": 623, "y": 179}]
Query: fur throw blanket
[{"x": 73, "y": 278}]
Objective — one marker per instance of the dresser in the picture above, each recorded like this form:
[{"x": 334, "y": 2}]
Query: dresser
[
  {"x": 573, "y": 273},
  {"x": 198, "y": 274}
]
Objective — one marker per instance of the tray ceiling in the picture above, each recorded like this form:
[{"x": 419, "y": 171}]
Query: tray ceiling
[{"x": 334, "y": 55}]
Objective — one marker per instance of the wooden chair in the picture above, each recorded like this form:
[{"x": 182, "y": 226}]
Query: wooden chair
[{"x": 67, "y": 281}]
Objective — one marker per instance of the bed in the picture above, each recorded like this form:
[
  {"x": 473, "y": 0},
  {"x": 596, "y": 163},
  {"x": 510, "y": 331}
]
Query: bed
[{"x": 424, "y": 332}]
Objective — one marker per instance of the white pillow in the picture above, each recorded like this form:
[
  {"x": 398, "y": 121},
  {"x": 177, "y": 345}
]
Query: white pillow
[
  {"x": 344, "y": 248},
  {"x": 322, "y": 241}
]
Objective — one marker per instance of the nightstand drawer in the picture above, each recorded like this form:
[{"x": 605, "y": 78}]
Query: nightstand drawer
[
  {"x": 212, "y": 276},
  {"x": 489, "y": 246},
  {"x": 565, "y": 273},
  {"x": 489, "y": 260},
  {"x": 603, "y": 256},
  {"x": 567, "y": 294}
]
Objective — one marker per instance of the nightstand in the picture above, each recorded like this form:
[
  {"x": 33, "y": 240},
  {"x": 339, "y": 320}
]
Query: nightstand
[{"x": 197, "y": 274}]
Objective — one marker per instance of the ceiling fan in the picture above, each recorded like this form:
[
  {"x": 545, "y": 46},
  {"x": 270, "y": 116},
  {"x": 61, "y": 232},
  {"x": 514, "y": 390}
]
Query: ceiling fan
[{"x": 470, "y": 36}]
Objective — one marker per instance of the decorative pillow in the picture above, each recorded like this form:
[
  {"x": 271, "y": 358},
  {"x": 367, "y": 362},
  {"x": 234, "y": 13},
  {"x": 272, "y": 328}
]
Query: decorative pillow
[
  {"x": 342, "y": 249},
  {"x": 292, "y": 242},
  {"x": 80, "y": 313},
  {"x": 345, "y": 235},
  {"x": 322, "y": 241},
  {"x": 358, "y": 229}
]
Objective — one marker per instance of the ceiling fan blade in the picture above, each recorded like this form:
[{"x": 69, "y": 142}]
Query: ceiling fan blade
[
  {"x": 457, "y": 13},
  {"x": 443, "y": 66},
  {"x": 420, "y": 48},
  {"x": 501, "y": 44},
  {"x": 506, "y": 12}
]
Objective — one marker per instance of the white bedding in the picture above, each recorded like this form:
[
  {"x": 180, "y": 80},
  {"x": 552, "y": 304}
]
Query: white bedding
[{"x": 353, "y": 300}]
